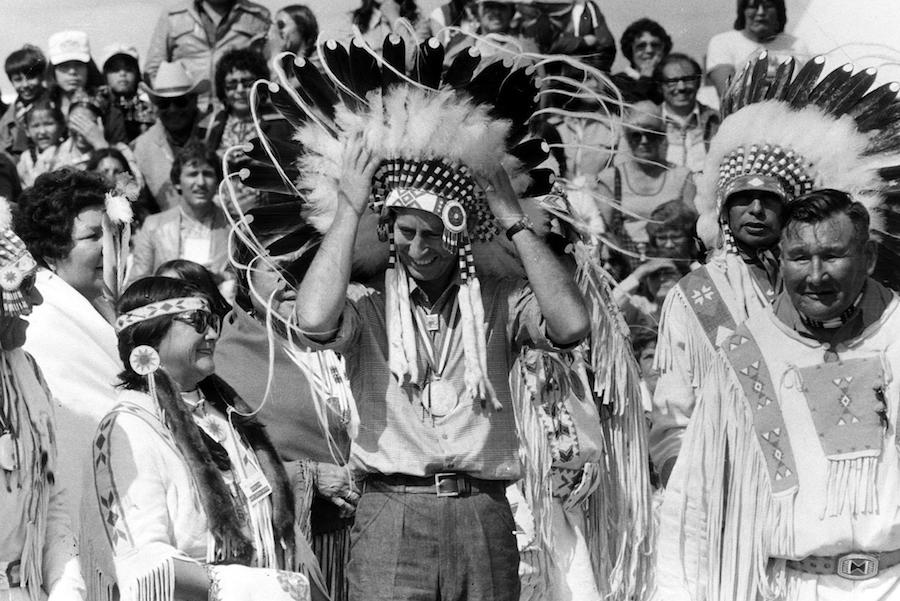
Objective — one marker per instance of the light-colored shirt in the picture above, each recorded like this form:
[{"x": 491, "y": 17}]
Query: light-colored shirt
[
  {"x": 734, "y": 48},
  {"x": 686, "y": 138},
  {"x": 196, "y": 239},
  {"x": 397, "y": 435}
]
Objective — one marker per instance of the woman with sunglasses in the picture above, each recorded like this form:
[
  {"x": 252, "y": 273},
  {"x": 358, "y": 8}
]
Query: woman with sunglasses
[
  {"x": 644, "y": 43},
  {"x": 759, "y": 25},
  {"x": 192, "y": 496},
  {"x": 642, "y": 180}
]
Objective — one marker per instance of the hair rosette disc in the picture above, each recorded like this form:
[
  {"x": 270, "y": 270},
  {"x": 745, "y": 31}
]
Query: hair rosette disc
[{"x": 144, "y": 360}]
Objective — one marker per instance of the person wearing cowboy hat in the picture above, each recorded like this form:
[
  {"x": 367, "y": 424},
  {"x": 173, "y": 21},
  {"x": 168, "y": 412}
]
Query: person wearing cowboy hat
[
  {"x": 174, "y": 95},
  {"x": 195, "y": 33}
]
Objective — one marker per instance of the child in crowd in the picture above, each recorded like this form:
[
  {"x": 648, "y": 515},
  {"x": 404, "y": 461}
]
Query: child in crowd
[
  {"x": 25, "y": 68},
  {"x": 85, "y": 124},
  {"x": 45, "y": 128},
  {"x": 73, "y": 75},
  {"x": 122, "y": 74}
]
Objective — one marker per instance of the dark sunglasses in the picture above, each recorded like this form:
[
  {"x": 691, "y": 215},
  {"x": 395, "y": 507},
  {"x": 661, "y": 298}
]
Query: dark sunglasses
[
  {"x": 200, "y": 320},
  {"x": 232, "y": 85},
  {"x": 178, "y": 101},
  {"x": 652, "y": 136}
]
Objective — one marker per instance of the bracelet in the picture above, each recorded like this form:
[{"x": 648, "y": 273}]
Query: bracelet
[{"x": 522, "y": 224}]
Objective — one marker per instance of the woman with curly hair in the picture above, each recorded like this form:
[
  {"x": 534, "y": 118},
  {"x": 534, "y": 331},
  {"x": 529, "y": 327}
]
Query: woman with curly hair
[
  {"x": 70, "y": 334},
  {"x": 644, "y": 43},
  {"x": 190, "y": 491}
]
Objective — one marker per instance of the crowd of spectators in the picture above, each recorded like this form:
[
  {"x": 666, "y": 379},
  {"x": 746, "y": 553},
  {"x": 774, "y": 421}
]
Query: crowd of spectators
[
  {"x": 193, "y": 94},
  {"x": 164, "y": 127}
]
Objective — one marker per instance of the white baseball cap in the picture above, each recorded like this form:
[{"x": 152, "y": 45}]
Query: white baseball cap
[{"x": 69, "y": 46}]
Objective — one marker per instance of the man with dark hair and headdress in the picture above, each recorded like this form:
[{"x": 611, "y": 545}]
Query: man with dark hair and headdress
[
  {"x": 429, "y": 348},
  {"x": 38, "y": 553},
  {"x": 785, "y": 484}
]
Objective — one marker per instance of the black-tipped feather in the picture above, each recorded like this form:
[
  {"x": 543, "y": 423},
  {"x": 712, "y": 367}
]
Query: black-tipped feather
[
  {"x": 734, "y": 91},
  {"x": 887, "y": 140},
  {"x": 285, "y": 151},
  {"x": 316, "y": 87},
  {"x": 285, "y": 105},
  {"x": 756, "y": 86},
  {"x": 515, "y": 99},
  {"x": 782, "y": 80},
  {"x": 531, "y": 153},
  {"x": 851, "y": 92},
  {"x": 459, "y": 74},
  {"x": 485, "y": 86},
  {"x": 394, "y": 54},
  {"x": 365, "y": 73},
  {"x": 541, "y": 182},
  {"x": 429, "y": 63},
  {"x": 868, "y": 112},
  {"x": 803, "y": 84},
  {"x": 265, "y": 177},
  {"x": 338, "y": 61},
  {"x": 825, "y": 90},
  {"x": 278, "y": 219}
]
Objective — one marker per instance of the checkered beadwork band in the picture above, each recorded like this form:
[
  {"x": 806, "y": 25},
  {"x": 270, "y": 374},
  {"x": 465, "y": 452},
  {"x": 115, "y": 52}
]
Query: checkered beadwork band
[
  {"x": 452, "y": 187},
  {"x": 773, "y": 164},
  {"x": 157, "y": 309}
]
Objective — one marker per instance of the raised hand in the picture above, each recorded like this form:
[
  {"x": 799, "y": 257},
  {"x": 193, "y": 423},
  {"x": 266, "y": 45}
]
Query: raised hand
[{"x": 358, "y": 165}]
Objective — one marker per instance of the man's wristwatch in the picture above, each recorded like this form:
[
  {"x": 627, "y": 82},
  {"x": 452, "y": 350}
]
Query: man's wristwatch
[{"x": 522, "y": 224}]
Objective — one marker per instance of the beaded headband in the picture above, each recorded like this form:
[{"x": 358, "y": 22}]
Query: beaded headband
[{"x": 167, "y": 307}]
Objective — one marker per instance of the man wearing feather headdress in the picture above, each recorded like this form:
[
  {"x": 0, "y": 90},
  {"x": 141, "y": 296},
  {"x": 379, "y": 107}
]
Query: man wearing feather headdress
[
  {"x": 433, "y": 425},
  {"x": 38, "y": 554}
]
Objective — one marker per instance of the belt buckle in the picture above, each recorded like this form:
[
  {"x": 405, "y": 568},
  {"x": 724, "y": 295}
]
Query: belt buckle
[
  {"x": 857, "y": 566},
  {"x": 438, "y": 478}
]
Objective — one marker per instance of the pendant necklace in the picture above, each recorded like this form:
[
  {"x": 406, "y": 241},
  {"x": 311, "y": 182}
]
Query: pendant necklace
[{"x": 439, "y": 396}]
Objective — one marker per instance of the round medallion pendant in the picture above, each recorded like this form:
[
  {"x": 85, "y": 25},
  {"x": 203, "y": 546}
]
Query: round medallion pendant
[{"x": 441, "y": 397}]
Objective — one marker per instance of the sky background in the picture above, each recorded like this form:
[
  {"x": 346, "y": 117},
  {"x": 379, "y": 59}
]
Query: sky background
[{"x": 858, "y": 28}]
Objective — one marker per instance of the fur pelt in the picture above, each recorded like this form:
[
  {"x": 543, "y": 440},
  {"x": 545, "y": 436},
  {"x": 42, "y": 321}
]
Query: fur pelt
[{"x": 225, "y": 517}]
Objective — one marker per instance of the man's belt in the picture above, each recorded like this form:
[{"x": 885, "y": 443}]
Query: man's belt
[
  {"x": 852, "y": 566},
  {"x": 448, "y": 484},
  {"x": 9, "y": 575}
]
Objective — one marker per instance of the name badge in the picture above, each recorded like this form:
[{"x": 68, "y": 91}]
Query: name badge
[{"x": 255, "y": 487}]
